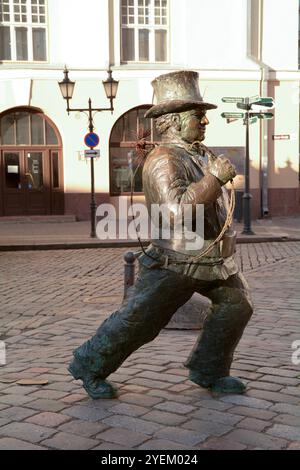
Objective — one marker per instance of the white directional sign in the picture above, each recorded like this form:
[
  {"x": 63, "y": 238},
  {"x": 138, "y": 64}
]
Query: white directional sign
[
  {"x": 233, "y": 99},
  {"x": 253, "y": 99},
  {"x": 92, "y": 153},
  {"x": 233, "y": 115}
]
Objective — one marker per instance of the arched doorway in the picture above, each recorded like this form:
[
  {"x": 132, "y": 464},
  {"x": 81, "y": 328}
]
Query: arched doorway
[
  {"x": 31, "y": 166},
  {"x": 123, "y": 159}
]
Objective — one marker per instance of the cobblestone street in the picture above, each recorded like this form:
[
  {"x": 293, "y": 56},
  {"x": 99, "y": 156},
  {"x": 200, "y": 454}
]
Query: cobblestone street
[{"x": 53, "y": 300}]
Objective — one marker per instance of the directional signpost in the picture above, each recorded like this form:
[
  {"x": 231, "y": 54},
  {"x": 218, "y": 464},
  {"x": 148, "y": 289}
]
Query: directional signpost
[{"x": 250, "y": 116}]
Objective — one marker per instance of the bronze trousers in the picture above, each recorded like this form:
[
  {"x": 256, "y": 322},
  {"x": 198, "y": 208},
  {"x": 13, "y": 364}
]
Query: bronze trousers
[{"x": 148, "y": 308}]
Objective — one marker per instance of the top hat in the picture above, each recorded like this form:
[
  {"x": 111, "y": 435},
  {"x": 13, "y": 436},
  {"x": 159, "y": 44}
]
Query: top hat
[{"x": 177, "y": 92}]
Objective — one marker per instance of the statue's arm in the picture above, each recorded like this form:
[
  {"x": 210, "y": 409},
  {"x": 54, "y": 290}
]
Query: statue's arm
[
  {"x": 167, "y": 181},
  {"x": 205, "y": 191}
]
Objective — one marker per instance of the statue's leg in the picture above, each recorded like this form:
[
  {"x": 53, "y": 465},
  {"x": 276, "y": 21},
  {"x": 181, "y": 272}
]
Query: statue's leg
[
  {"x": 149, "y": 306},
  {"x": 211, "y": 358}
]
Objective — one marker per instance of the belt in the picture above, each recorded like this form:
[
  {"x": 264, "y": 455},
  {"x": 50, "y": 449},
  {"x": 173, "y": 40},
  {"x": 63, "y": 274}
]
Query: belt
[{"x": 165, "y": 260}]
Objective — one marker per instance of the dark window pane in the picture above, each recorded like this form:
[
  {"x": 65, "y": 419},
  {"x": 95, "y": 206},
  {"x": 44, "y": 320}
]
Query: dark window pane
[
  {"x": 12, "y": 170},
  {"x": 34, "y": 170},
  {"x": 144, "y": 45},
  {"x": 55, "y": 170},
  {"x": 39, "y": 44},
  {"x": 160, "y": 45},
  {"x": 51, "y": 138},
  {"x": 124, "y": 162},
  {"x": 22, "y": 121},
  {"x": 5, "y": 53},
  {"x": 8, "y": 130},
  {"x": 130, "y": 126},
  {"x": 37, "y": 130},
  {"x": 117, "y": 133},
  {"x": 123, "y": 156},
  {"x": 22, "y": 44},
  {"x": 144, "y": 124},
  {"x": 128, "y": 50}
]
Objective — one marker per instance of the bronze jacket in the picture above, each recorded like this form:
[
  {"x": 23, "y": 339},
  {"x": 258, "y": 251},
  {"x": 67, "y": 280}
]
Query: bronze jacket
[{"x": 174, "y": 175}]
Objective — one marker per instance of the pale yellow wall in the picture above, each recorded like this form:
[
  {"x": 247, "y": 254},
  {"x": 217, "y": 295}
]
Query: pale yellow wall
[
  {"x": 137, "y": 91},
  {"x": 284, "y": 166},
  {"x": 134, "y": 92}
]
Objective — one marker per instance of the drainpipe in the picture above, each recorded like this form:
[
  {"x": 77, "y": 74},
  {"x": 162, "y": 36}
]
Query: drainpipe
[
  {"x": 264, "y": 125},
  {"x": 257, "y": 56},
  {"x": 111, "y": 44}
]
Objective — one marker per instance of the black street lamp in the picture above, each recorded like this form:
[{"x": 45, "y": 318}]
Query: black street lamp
[{"x": 67, "y": 89}]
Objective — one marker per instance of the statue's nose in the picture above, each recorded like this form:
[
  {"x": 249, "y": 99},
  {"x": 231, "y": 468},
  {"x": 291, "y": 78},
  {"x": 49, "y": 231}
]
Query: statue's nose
[{"x": 204, "y": 121}]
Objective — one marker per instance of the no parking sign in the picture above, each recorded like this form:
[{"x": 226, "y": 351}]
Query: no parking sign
[{"x": 91, "y": 140}]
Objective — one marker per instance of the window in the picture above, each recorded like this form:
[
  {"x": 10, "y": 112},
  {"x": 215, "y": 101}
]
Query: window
[
  {"x": 23, "y": 30},
  {"x": 123, "y": 158},
  {"x": 144, "y": 30},
  {"x": 26, "y": 128}
]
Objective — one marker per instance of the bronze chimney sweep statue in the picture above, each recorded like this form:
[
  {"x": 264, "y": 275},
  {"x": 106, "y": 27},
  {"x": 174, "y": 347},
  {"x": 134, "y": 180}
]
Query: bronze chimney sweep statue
[{"x": 181, "y": 170}]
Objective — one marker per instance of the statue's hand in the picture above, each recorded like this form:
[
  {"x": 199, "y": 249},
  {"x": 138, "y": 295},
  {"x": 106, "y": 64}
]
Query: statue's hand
[{"x": 222, "y": 169}]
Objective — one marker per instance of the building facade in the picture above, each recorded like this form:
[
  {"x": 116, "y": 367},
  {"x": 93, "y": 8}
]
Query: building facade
[{"x": 240, "y": 48}]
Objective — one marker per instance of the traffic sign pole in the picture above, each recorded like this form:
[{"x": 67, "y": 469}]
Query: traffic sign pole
[
  {"x": 247, "y": 196},
  {"x": 93, "y": 196}
]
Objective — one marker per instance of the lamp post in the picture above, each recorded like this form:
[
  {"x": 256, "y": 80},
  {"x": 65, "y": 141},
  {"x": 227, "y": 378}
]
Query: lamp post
[{"x": 67, "y": 89}]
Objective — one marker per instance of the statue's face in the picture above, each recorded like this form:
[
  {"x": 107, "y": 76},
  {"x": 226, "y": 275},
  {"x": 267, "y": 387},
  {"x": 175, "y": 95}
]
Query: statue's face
[{"x": 193, "y": 125}]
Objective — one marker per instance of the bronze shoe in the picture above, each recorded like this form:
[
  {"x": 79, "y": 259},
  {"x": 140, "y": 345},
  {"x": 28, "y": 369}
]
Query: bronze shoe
[
  {"x": 222, "y": 385},
  {"x": 94, "y": 386}
]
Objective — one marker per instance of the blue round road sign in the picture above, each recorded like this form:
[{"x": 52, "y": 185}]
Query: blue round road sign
[{"x": 91, "y": 140}]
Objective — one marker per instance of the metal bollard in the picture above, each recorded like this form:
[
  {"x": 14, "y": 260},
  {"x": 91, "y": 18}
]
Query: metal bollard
[{"x": 129, "y": 270}]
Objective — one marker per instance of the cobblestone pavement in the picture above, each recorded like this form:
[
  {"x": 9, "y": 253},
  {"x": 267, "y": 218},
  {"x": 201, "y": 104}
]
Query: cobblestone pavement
[
  {"x": 52, "y": 301},
  {"x": 38, "y": 287}
]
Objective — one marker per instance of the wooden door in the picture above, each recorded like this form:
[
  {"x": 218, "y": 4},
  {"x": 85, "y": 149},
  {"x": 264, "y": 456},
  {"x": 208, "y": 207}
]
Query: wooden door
[
  {"x": 13, "y": 182},
  {"x": 26, "y": 182},
  {"x": 37, "y": 182}
]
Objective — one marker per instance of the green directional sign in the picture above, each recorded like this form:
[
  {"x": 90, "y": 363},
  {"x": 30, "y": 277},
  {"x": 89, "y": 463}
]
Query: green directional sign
[
  {"x": 233, "y": 99},
  {"x": 266, "y": 102},
  {"x": 232, "y": 115},
  {"x": 262, "y": 115},
  {"x": 253, "y": 120}
]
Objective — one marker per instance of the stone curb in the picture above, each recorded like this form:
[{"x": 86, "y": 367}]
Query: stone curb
[{"x": 40, "y": 246}]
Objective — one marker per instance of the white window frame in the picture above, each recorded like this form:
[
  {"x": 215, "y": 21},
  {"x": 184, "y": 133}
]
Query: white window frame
[
  {"x": 29, "y": 25},
  {"x": 151, "y": 27}
]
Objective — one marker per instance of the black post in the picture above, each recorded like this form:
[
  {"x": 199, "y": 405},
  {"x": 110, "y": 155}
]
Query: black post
[
  {"x": 129, "y": 271},
  {"x": 93, "y": 198},
  {"x": 247, "y": 196}
]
